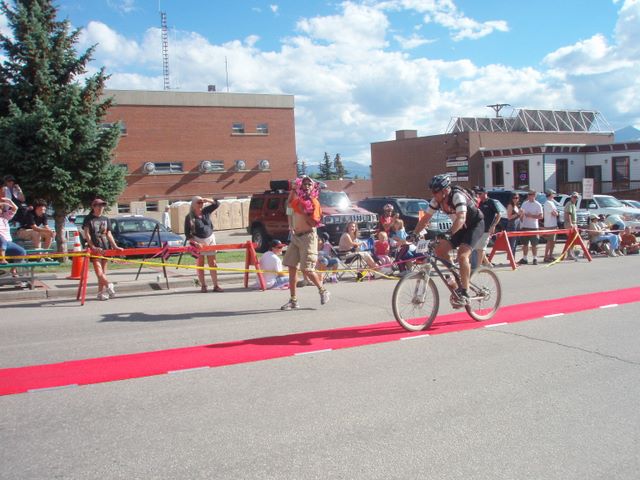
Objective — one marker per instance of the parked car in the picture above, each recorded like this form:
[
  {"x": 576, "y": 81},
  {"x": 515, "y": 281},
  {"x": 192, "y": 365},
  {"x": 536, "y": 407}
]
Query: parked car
[
  {"x": 134, "y": 231},
  {"x": 607, "y": 205},
  {"x": 631, "y": 203},
  {"x": 268, "y": 215},
  {"x": 409, "y": 210}
]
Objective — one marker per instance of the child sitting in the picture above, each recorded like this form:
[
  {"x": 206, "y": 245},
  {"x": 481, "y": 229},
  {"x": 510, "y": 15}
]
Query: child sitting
[
  {"x": 381, "y": 249},
  {"x": 327, "y": 262}
]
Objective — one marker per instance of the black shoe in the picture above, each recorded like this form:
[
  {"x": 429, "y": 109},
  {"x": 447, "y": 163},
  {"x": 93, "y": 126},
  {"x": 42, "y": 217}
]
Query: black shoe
[
  {"x": 523, "y": 261},
  {"x": 463, "y": 295},
  {"x": 535, "y": 261}
]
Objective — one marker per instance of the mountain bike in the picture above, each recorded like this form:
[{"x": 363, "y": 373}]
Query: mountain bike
[{"x": 416, "y": 299}]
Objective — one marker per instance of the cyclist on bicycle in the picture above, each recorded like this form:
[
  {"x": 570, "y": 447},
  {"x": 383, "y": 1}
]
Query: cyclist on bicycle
[{"x": 467, "y": 228}]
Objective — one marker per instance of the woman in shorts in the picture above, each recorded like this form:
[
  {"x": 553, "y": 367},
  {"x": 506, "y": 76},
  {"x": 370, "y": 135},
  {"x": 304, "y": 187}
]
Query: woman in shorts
[{"x": 198, "y": 229}]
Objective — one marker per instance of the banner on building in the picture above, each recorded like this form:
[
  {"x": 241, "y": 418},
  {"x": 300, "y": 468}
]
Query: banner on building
[{"x": 587, "y": 188}]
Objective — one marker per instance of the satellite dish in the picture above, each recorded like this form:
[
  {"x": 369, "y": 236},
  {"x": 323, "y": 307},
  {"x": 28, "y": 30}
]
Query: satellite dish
[
  {"x": 241, "y": 165},
  {"x": 149, "y": 167},
  {"x": 264, "y": 165}
]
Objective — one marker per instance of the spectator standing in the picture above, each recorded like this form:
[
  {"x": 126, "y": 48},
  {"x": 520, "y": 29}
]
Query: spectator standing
[
  {"x": 96, "y": 230},
  {"x": 35, "y": 226},
  {"x": 198, "y": 229},
  {"x": 386, "y": 219},
  {"x": 166, "y": 217},
  {"x": 491, "y": 218},
  {"x": 550, "y": 222},
  {"x": 530, "y": 215},
  {"x": 513, "y": 220},
  {"x": 7, "y": 210},
  {"x": 571, "y": 221},
  {"x": 13, "y": 191},
  {"x": 271, "y": 264},
  {"x": 303, "y": 249}
]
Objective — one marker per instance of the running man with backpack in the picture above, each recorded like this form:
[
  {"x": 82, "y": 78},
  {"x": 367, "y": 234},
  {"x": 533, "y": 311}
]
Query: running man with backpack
[{"x": 467, "y": 228}]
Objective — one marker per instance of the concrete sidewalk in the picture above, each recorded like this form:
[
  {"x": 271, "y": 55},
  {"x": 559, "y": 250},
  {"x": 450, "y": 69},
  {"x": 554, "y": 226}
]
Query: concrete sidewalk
[{"x": 58, "y": 286}]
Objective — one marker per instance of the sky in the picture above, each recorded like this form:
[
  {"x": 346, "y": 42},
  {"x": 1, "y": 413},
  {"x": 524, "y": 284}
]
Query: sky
[{"x": 362, "y": 69}]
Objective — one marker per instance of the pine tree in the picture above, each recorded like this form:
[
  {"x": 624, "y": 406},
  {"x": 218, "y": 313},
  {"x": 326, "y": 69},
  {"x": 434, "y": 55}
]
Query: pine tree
[
  {"x": 51, "y": 137},
  {"x": 326, "y": 171},
  {"x": 301, "y": 168},
  {"x": 340, "y": 171}
]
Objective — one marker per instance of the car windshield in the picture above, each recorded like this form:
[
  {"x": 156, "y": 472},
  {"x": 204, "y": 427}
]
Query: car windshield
[
  {"x": 334, "y": 199},
  {"x": 412, "y": 207},
  {"x": 606, "y": 202},
  {"x": 137, "y": 225}
]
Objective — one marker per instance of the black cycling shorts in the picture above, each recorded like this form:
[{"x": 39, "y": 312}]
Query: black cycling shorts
[{"x": 469, "y": 235}]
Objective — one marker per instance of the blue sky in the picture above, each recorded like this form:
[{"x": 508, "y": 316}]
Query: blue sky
[{"x": 361, "y": 69}]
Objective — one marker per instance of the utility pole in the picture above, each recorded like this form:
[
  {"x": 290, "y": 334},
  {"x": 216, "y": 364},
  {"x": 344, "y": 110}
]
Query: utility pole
[{"x": 497, "y": 107}]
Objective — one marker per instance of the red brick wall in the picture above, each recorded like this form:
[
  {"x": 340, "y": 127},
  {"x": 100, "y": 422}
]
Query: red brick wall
[
  {"x": 193, "y": 134},
  {"x": 405, "y": 166}
]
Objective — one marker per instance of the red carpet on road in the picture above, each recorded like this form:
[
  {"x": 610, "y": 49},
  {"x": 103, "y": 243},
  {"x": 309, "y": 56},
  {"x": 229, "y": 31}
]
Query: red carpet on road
[{"x": 122, "y": 367}]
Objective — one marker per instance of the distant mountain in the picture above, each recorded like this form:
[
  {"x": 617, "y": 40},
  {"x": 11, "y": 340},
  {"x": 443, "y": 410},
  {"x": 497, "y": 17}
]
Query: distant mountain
[
  {"x": 627, "y": 134},
  {"x": 354, "y": 168}
]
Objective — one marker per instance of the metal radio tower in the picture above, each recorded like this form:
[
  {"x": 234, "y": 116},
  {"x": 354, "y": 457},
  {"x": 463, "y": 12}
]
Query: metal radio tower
[{"x": 165, "y": 50}]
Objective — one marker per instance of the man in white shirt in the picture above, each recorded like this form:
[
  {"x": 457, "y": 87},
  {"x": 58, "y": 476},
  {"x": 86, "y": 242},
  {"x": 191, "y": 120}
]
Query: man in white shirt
[
  {"x": 531, "y": 214},
  {"x": 550, "y": 222},
  {"x": 271, "y": 263}
]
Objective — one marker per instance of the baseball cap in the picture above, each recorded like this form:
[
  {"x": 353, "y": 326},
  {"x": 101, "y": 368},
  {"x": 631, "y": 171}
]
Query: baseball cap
[
  {"x": 549, "y": 191},
  {"x": 575, "y": 194},
  {"x": 98, "y": 201},
  {"x": 276, "y": 244},
  {"x": 479, "y": 189}
]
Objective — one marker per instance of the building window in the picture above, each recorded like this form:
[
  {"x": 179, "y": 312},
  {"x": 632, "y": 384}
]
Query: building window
[
  {"x": 168, "y": 167},
  {"x": 620, "y": 170},
  {"x": 262, "y": 128},
  {"x": 152, "y": 206},
  {"x": 521, "y": 174},
  {"x": 497, "y": 174},
  {"x": 124, "y": 208},
  {"x": 237, "y": 128},
  {"x": 562, "y": 171},
  {"x": 123, "y": 127}
]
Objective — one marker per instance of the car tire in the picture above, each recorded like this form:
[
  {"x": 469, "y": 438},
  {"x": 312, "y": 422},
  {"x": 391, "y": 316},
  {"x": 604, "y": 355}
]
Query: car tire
[{"x": 260, "y": 238}]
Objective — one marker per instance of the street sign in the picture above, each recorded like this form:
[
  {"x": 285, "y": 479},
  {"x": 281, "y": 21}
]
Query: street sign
[{"x": 587, "y": 188}]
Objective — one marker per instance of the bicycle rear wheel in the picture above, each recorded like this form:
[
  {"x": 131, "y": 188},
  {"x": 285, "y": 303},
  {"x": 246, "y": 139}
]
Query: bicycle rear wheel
[
  {"x": 485, "y": 294},
  {"x": 415, "y": 301}
]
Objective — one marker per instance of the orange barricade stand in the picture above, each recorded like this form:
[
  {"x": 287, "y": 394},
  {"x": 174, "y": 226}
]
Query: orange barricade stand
[
  {"x": 250, "y": 259},
  {"x": 501, "y": 243}
]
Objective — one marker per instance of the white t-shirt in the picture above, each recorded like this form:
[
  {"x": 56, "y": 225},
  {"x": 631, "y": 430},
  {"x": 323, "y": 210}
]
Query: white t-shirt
[
  {"x": 272, "y": 263},
  {"x": 532, "y": 208},
  {"x": 550, "y": 220}
]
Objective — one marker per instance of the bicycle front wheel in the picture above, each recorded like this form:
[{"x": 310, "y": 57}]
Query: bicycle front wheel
[
  {"x": 485, "y": 294},
  {"x": 415, "y": 301}
]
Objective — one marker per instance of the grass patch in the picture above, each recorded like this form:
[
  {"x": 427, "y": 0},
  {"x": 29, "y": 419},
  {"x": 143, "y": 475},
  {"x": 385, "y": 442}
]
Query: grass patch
[{"x": 233, "y": 256}]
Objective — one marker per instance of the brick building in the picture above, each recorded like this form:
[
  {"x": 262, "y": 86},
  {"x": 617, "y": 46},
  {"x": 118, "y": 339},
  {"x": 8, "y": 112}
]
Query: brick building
[
  {"x": 179, "y": 144},
  {"x": 405, "y": 165}
]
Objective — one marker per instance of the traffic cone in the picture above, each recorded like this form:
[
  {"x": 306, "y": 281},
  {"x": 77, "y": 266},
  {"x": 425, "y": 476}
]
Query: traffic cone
[{"x": 76, "y": 261}]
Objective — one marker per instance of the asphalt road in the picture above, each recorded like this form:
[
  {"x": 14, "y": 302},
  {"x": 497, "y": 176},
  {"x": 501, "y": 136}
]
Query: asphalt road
[{"x": 550, "y": 398}]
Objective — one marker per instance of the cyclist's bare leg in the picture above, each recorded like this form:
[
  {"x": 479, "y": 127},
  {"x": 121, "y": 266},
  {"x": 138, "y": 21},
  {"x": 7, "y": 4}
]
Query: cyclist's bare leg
[
  {"x": 464, "y": 254},
  {"x": 443, "y": 247}
]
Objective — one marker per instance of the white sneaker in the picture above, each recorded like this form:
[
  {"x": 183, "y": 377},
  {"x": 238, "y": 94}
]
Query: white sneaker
[
  {"x": 103, "y": 296},
  {"x": 111, "y": 291},
  {"x": 324, "y": 296}
]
